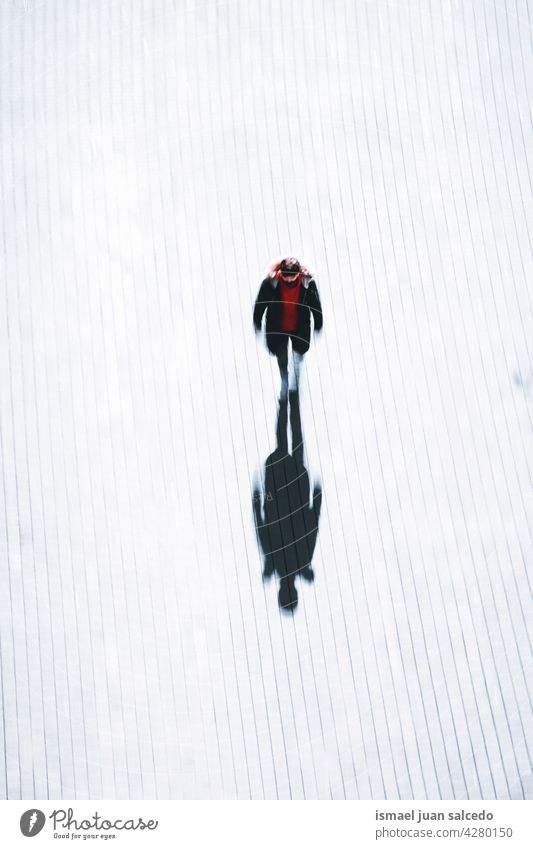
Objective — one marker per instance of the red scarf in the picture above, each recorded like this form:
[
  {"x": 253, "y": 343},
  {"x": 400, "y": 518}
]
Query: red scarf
[{"x": 289, "y": 296}]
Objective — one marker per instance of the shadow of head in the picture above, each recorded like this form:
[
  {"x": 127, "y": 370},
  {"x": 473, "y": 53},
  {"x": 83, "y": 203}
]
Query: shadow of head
[
  {"x": 286, "y": 511},
  {"x": 288, "y": 594}
]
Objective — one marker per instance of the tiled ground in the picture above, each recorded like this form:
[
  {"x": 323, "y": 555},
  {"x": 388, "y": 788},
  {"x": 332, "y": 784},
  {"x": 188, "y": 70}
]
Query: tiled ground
[{"x": 155, "y": 156}]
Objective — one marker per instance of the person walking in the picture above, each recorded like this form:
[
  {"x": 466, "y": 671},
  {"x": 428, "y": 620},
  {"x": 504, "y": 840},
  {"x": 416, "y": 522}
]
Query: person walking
[{"x": 288, "y": 296}]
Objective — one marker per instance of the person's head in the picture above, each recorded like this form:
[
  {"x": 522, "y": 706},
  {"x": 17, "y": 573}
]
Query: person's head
[
  {"x": 288, "y": 595},
  {"x": 289, "y": 271}
]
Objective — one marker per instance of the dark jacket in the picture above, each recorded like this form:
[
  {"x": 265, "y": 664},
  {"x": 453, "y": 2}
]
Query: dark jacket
[{"x": 269, "y": 300}]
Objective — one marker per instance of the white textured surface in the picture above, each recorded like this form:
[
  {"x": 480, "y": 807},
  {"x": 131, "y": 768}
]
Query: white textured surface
[{"x": 154, "y": 156}]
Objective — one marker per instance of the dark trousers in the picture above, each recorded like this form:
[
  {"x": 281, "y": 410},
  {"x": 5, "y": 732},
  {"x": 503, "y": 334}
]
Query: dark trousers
[{"x": 277, "y": 344}]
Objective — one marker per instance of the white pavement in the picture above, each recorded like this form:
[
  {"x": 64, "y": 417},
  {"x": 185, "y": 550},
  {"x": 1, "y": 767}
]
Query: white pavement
[{"x": 154, "y": 157}]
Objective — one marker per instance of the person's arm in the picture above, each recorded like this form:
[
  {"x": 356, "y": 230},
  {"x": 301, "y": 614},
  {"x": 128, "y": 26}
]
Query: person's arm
[
  {"x": 262, "y": 301},
  {"x": 315, "y": 305}
]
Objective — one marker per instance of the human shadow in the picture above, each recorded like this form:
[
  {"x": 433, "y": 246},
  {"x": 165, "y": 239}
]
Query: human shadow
[{"x": 286, "y": 522}]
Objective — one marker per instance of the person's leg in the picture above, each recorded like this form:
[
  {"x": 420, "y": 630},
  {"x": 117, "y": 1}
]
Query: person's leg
[
  {"x": 298, "y": 350},
  {"x": 297, "y": 443},
  {"x": 277, "y": 345},
  {"x": 283, "y": 364},
  {"x": 296, "y": 365}
]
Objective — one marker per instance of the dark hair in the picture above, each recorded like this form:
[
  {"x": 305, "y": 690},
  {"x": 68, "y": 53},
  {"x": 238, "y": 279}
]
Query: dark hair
[
  {"x": 290, "y": 266},
  {"x": 276, "y": 267}
]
